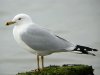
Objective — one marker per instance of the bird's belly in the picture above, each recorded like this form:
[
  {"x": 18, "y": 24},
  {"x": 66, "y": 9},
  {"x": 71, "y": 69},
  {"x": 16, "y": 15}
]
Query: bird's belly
[{"x": 17, "y": 37}]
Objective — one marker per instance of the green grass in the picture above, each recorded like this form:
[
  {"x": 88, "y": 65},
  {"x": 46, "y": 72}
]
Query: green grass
[{"x": 62, "y": 70}]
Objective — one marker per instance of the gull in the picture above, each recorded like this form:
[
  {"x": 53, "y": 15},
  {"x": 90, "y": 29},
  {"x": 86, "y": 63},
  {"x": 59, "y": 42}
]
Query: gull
[{"x": 40, "y": 41}]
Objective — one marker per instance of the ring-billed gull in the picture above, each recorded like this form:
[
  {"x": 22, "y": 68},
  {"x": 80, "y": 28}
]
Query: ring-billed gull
[{"x": 39, "y": 40}]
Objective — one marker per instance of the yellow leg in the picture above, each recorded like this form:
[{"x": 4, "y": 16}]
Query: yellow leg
[
  {"x": 38, "y": 62},
  {"x": 42, "y": 59}
]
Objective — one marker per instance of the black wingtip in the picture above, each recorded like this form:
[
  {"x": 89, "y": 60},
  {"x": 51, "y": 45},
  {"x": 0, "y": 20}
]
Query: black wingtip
[
  {"x": 85, "y": 50},
  {"x": 95, "y": 50}
]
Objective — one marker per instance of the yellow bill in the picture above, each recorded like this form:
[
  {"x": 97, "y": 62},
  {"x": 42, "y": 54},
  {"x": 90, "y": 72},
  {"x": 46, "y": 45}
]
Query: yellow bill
[{"x": 10, "y": 23}]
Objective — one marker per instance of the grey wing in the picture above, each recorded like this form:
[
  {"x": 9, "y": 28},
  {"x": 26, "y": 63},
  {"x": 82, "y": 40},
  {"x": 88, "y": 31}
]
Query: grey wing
[{"x": 41, "y": 39}]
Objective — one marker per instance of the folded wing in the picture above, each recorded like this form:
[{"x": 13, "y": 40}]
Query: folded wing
[{"x": 41, "y": 39}]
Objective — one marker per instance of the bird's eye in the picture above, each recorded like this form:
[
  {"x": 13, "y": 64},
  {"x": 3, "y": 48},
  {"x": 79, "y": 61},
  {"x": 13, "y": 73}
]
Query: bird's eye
[{"x": 19, "y": 18}]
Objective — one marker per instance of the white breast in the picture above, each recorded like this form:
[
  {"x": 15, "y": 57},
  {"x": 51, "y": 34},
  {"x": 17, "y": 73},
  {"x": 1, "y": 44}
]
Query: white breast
[{"x": 17, "y": 30}]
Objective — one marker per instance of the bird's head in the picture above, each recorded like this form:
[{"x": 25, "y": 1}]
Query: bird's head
[{"x": 20, "y": 19}]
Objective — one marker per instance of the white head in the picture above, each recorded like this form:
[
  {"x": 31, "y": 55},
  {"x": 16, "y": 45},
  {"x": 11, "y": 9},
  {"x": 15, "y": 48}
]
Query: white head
[{"x": 20, "y": 19}]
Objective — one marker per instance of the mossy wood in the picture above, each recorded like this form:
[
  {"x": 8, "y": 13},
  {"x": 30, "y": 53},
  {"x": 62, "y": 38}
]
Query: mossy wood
[{"x": 62, "y": 70}]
